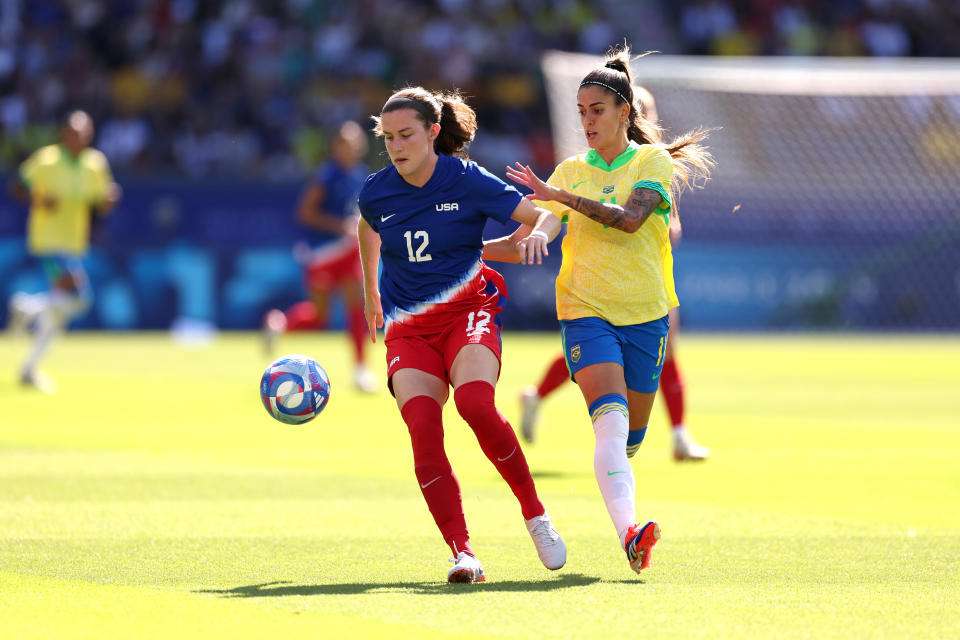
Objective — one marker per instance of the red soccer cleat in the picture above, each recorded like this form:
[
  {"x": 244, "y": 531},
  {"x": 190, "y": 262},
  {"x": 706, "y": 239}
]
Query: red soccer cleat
[{"x": 640, "y": 541}]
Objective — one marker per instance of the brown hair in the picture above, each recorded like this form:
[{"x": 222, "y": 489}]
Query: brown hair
[
  {"x": 691, "y": 160},
  {"x": 458, "y": 122}
]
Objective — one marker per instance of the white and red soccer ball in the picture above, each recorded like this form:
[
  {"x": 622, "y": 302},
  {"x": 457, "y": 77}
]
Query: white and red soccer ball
[{"x": 294, "y": 389}]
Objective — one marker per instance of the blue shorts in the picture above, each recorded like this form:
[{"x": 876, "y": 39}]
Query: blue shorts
[
  {"x": 638, "y": 348},
  {"x": 66, "y": 273}
]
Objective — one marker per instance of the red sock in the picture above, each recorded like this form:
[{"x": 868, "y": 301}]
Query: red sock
[
  {"x": 555, "y": 376},
  {"x": 475, "y": 402},
  {"x": 671, "y": 386},
  {"x": 303, "y": 316},
  {"x": 357, "y": 328},
  {"x": 438, "y": 484}
]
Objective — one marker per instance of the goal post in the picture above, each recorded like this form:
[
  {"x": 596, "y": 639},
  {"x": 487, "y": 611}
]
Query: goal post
[{"x": 835, "y": 202}]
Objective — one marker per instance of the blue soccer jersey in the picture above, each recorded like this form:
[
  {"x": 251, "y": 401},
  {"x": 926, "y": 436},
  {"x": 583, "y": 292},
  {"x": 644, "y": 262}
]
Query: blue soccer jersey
[
  {"x": 340, "y": 196},
  {"x": 432, "y": 237}
]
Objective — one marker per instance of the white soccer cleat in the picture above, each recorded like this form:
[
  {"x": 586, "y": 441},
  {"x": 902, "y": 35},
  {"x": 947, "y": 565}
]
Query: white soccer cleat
[
  {"x": 364, "y": 379},
  {"x": 39, "y": 381},
  {"x": 686, "y": 448},
  {"x": 466, "y": 568},
  {"x": 549, "y": 544},
  {"x": 529, "y": 406}
]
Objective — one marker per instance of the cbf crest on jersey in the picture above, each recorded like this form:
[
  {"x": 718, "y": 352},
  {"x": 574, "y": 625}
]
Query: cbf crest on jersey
[{"x": 608, "y": 189}]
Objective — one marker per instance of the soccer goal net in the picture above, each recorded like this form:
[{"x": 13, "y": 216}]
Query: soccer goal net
[{"x": 836, "y": 198}]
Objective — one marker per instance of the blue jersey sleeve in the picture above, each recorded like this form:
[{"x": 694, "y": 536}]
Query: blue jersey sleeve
[
  {"x": 499, "y": 199},
  {"x": 363, "y": 203}
]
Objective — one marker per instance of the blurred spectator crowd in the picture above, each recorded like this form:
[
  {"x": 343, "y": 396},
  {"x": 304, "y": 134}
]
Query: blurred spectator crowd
[{"x": 228, "y": 88}]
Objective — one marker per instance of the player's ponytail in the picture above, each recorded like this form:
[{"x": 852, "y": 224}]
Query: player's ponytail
[
  {"x": 458, "y": 122},
  {"x": 458, "y": 125}
]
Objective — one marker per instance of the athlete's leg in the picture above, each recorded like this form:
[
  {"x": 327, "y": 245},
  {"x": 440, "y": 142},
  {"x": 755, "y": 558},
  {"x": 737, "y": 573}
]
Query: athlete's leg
[
  {"x": 420, "y": 397},
  {"x": 671, "y": 384},
  {"x": 474, "y": 376},
  {"x": 555, "y": 375},
  {"x": 352, "y": 288},
  {"x": 69, "y": 296},
  {"x": 672, "y": 391},
  {"x": 605, "y": 391},
  {"x": 356, "y": 324},
  {"x": 309, "y": 315}
]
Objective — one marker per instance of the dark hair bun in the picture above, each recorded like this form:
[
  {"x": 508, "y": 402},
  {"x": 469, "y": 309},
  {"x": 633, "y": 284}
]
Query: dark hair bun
[{"x": 617, "y": 64}]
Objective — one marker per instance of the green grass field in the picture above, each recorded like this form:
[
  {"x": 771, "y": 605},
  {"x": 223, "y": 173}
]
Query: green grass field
[{"x": 153, "y": 497}]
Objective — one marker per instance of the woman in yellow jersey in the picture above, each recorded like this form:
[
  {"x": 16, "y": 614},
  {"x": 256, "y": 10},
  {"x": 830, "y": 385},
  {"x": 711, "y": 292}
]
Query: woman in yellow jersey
[
  {"x": 672, "y": 392},
  {"x": 615, "y": 286},
  {"x": 66, "y": 185}
]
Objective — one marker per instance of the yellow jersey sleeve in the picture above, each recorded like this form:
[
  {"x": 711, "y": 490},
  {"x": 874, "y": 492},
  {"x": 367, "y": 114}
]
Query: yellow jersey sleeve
[
  {"x": 33, "y": 165},
  {"x": 655, "y": 172},
  {"x": 100, "y": 177}
]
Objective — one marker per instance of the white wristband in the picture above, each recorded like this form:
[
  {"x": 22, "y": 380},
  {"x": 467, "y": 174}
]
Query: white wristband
[{"x": 542, "y": 234}]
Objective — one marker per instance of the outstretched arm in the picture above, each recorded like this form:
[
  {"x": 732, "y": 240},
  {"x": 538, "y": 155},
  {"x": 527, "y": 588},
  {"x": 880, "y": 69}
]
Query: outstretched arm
[{"x": 627, "y": 218}]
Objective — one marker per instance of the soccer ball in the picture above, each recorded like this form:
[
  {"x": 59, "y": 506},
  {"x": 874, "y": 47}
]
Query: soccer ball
[{"x": 294, "y": 389}]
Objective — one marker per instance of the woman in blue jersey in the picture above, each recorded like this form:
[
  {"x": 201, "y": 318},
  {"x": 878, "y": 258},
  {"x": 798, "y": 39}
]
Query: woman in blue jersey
[
  {"x": 423, "y": 217},
  {"x": 327, "y": 213},
  {"x": 615, "y": 286}
]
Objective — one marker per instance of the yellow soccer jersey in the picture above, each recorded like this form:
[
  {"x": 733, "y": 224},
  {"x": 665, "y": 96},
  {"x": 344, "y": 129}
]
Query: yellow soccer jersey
[
  {"x": 62, "y": 191},
  {"x": 621, "y": 277}
]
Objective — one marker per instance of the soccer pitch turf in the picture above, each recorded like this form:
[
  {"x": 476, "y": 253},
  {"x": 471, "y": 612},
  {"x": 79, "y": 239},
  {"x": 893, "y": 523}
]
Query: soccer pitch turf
[{"x": 153, "y": 497}]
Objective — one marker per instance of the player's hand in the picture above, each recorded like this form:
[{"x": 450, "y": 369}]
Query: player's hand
[
  {"x": 524, "y": 175},
  {"x": 373, "y": 312},
  {"x": 675, "y": 231},
  {"x": 533, "y": 248}
]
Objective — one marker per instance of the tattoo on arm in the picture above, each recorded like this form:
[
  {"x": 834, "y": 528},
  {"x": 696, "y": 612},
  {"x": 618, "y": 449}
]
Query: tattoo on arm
[{"x": 627, "y": 218}]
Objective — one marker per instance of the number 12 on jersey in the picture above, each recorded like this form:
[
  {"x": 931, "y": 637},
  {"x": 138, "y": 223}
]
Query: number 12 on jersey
[{"x": 424, "y": 239}]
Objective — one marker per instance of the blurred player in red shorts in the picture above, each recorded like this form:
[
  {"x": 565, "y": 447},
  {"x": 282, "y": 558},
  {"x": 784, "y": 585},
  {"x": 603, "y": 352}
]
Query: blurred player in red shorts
[{"x": 329, "y": 254}]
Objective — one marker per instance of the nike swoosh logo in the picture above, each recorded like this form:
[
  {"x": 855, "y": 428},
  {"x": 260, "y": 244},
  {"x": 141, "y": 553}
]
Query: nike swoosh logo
[
  {"x": 385, "y": 218},
  {"x": 424, "y": 486},
  {"x": 611, "y": 473},
  {"x": 578, "y": 184},
  {"x": 655, "y": 377},
  {"x": 509, "y": 456}
]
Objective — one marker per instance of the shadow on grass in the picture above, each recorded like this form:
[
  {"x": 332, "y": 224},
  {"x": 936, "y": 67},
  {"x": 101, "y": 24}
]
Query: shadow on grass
[
  {"x": 284, "y": 588},
  {"x": 548, "y": 475}
]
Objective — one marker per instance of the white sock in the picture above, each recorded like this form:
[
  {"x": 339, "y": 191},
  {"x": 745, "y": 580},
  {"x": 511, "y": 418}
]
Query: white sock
[
  {"x": 53, "y": 313},
  {"x": 613, "y": 470},
  {"x": 679, "y": 434},
  {"x": 48, "y": 327}
]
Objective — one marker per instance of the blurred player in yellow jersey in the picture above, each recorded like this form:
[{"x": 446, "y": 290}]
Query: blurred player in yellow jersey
[{"x": 66, "y": 185}]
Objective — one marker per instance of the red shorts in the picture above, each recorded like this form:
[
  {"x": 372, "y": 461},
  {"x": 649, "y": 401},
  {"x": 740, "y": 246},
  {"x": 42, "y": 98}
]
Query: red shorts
[
  {"x": 332, "y": 266},
  {"x": 434, "y": 353}
]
